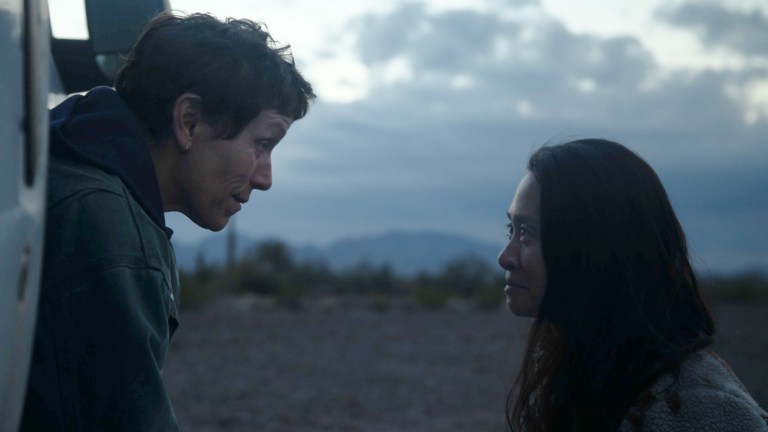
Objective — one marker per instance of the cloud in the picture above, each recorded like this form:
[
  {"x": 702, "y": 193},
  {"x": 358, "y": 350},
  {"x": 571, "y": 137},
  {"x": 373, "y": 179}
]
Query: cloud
[
  {"x": 744, "y": 32},
  {"x": 523, "y": 67},
  {"x": 491, "y": 49},
  {"x": 459, "y": 99},
  {"x": 449, "y": 42}
]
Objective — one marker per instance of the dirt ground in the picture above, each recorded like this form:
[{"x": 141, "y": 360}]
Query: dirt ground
[{"x": 242, "y": 366}]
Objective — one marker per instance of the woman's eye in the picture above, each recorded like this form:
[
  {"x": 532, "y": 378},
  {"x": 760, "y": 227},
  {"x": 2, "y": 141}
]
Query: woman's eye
[
  {"x": 524, "y": 232},
  {"x": 264, "y": 144}
]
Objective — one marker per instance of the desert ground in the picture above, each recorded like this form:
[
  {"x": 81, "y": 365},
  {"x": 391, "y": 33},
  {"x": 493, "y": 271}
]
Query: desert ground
[{"x": 243, "y": 365}]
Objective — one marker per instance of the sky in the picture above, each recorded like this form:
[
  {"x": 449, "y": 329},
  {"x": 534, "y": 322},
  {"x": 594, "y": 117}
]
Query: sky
[{"x": 428, "y": 110}]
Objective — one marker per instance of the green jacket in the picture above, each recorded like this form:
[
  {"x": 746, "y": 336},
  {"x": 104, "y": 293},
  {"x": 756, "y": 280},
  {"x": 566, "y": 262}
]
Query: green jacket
[{"x": 108, "y": 304}]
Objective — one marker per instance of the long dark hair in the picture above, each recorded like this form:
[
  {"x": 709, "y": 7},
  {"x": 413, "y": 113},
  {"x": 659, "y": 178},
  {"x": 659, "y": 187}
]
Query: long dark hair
[{"x": 621, "y": 304}]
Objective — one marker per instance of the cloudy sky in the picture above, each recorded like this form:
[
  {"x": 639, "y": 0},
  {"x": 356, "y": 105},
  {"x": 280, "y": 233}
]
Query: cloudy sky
[{"x": 428, "y": 110}]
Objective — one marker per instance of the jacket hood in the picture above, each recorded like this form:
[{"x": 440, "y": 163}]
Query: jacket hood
[{"x": 101, "y": 130}]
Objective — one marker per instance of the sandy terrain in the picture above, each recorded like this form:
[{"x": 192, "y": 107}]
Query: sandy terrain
[{"x": 240, "y": 367}]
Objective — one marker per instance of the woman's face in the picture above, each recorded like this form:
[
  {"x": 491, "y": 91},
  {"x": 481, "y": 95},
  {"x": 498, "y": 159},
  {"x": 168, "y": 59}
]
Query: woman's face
[{"x": 522, "y": 259}]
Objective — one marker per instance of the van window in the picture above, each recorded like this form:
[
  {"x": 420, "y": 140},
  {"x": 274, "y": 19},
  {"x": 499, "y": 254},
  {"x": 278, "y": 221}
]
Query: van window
[{"x": 68, "y": 19}]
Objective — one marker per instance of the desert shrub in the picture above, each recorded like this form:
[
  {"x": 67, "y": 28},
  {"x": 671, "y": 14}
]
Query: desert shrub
[
  {"x": 273, "y": 255},
  {"x": 253, "y": 277},
  {"x": 203, "y": 272},
  {"x": 314, "y": 276},
  {"x": 489, "y": 297},
  {"x": 748, "y": 287},
  {"x": 365, "y": 278},
  {"x": 380, "y": 302},
  {"x": 197, "y": 291},
  {"x": 431, "y": 297},
  {"x": 263, "y": 269},
  {"x": 464, "y": 276},
  {"x": 290, "y": 295},
  {"x": 269, "y": 269}
]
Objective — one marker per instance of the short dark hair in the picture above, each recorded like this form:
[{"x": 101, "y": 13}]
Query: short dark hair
[
  {"x": 234, "y": 66},
  {"x": 621, "y": 303}
]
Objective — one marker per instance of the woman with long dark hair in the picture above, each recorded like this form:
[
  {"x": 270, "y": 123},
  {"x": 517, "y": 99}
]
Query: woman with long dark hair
[{"x": 621, "y": 334}]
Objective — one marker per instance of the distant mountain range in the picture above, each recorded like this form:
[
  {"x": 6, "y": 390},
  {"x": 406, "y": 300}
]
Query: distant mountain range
[{"x": 407, "y": 252}]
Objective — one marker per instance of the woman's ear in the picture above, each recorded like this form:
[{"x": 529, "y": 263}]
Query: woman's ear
[{"x": 187, "y": 117}]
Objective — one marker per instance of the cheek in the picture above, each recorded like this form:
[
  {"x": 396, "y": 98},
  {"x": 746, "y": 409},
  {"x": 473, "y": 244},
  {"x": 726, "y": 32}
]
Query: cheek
[
  {"x": 537, "y": 272},
  {"x": 239, "y": 168},
  {"x": 541, "y": 274},
  {"x": 192, "y": 178},
  {"x": 533, "y": 260}
]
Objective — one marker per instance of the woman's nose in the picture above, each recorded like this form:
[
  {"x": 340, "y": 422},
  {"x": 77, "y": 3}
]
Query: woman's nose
[
  {"x": 508, "y": 259},
  {"x": 262, "y": 175}
]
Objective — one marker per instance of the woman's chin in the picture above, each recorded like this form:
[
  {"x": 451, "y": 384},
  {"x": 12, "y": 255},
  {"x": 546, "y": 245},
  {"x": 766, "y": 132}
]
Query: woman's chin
[{"x": 520, "y": 310}]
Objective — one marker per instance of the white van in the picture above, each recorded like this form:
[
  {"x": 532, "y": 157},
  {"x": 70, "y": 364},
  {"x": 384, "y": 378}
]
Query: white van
[{"x": 35, "y": 69}]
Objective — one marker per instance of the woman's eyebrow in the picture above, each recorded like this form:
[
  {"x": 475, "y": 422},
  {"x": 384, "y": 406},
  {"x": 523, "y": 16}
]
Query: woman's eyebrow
[{"x": 522, "y": 218}]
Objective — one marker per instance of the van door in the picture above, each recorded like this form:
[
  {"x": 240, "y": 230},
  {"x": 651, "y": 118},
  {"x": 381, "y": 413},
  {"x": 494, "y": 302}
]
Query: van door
[
  {"x": 28, "y": 79},
  {"x": 24, "y": 56}
]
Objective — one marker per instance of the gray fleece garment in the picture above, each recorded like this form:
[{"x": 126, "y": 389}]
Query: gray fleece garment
[{"x": 704, "y": 395}]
